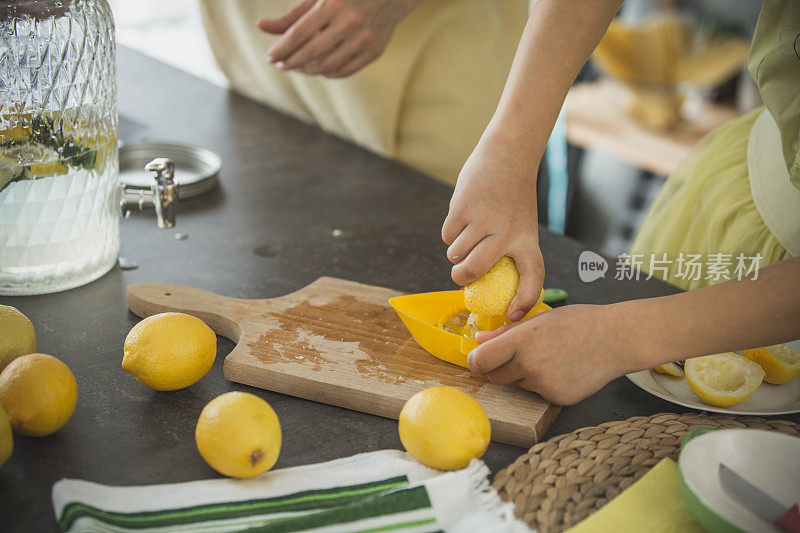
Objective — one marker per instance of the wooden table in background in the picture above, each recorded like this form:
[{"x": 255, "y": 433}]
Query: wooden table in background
[{"x": 596, "y": 119}]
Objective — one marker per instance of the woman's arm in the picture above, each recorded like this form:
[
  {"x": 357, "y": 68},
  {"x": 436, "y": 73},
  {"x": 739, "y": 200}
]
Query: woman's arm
[
  {"x": 493, "y": 209},
  {"x": 571, "y": 352}
]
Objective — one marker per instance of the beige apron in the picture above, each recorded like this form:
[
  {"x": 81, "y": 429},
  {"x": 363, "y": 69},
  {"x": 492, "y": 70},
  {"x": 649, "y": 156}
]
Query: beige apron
[{"x": 425, "y": 101}]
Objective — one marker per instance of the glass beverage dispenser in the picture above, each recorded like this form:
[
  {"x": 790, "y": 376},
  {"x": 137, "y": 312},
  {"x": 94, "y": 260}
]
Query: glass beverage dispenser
[{"x": 59, "y": 191}]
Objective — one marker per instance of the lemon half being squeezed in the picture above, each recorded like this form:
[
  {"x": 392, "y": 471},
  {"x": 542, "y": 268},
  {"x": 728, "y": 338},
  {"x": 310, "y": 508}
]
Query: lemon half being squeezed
[
  {"x": 490, "y": 295},
  {"x": 486, "y": 300}
]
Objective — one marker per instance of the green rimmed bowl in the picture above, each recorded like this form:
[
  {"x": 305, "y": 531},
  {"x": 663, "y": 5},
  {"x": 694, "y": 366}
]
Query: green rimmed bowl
[{"x": 769, "y": 460}]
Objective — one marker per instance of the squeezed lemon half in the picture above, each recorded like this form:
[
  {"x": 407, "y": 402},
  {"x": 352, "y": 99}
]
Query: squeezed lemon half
[
  {"x": 780, "y": 362},
  {"x": 670, "y": 369},
  {"x": 723, "y": 379}
]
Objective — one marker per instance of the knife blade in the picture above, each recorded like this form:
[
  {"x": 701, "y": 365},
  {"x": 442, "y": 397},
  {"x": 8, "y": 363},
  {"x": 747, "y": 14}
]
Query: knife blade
[{"x": 759, "y": 502}]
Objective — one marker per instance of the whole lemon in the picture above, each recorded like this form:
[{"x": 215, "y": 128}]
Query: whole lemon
[
  {"x": 18, "y": 336},
  {"x": 444, "y": 428},
  {"x": 169, "y": 351},
  {"x": 6, "y": 440},
  {"x": 38, "y": 393},
  {"x": 491, "y": 294},
  {"x": 239, "y": 435}
]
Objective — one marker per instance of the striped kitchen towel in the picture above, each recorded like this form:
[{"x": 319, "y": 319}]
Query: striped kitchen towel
[{"x": 377, "y": 491}]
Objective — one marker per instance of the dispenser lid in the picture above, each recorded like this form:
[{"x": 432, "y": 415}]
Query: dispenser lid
[{"x": 196, "y": 168}]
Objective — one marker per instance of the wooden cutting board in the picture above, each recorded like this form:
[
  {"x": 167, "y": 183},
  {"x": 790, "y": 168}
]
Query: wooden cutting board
[{"x": 341, "y": 343}]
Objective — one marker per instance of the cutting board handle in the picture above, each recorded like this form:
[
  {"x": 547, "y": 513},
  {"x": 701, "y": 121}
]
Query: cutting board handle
[{"x": 147, "y": 299}]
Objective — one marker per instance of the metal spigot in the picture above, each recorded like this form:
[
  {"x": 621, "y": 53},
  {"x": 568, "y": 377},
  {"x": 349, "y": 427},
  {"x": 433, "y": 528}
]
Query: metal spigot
[
  {"x": 165, "y": 191},
  {"x": 162, "y": 193}
]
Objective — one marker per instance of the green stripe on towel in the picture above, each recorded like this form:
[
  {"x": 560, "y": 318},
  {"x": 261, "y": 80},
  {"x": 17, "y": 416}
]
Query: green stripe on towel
[
  {"x": 389, "y": 503},
  {"x": 405, "y": 525},
  {"x": 302, "y": 501}
]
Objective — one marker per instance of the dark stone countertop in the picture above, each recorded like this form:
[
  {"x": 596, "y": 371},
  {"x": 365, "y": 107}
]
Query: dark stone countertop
[{"x": 267, "y": 230}]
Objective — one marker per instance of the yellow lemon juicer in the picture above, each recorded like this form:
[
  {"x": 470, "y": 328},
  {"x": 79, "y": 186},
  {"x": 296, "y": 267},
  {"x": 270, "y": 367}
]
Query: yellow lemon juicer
[{"x": 424, "y": 314}]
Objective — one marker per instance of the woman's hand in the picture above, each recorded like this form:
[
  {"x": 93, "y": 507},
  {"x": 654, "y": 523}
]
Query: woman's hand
[
  {"x": 565, "y": 354},
  {"x": 334, "y": 38},
  {"x": 492, "y": 214}
]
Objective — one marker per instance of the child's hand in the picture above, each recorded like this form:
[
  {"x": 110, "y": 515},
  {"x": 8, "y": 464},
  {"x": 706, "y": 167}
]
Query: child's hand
[
  {"x": 565, "y": 354},
  {"x": 492, "y": 214}
]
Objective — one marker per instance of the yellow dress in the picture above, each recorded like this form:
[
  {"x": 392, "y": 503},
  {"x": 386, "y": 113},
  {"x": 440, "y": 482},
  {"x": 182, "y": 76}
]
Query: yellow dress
[
  {"x": 425, "y": 101},
  {"x": 737, "y": 194}
]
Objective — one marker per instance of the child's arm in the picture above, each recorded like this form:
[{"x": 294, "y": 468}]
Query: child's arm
[
  {"x": 493, "y": 209},
  {"x": 569, "y": 353}
]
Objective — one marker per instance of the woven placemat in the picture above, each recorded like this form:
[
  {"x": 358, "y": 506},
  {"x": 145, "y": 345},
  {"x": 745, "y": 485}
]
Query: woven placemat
[{"x": 559, "y": 482}]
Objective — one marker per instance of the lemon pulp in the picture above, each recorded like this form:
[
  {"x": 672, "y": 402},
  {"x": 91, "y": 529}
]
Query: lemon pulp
[
  {"x": 723, "y": 379},
  {"x": 780, "y": 362},
  {"x": 468, "y": 324}
]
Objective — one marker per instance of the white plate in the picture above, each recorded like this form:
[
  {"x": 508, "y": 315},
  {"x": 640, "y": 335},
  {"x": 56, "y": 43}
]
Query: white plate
[
  {"x": 766, "y": 400},
  {"x": 764, "y": 458}
]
